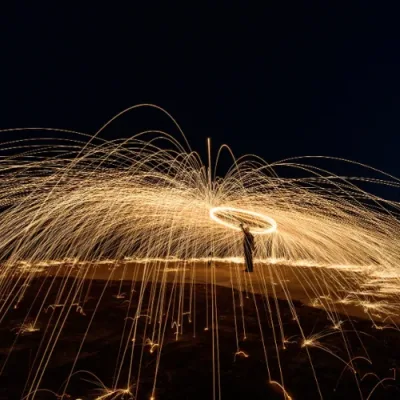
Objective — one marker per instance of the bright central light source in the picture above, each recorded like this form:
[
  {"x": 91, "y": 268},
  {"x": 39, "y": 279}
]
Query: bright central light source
[{"x": 231, "y": 217}]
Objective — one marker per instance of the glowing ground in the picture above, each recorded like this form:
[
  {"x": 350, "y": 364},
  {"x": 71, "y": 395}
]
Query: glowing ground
[{"x": 352, "y": 290}]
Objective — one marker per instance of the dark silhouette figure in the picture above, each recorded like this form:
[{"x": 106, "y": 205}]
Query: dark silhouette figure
[
  {"x": 248, "y": 247},
  {"x": 210, "y": 256}
]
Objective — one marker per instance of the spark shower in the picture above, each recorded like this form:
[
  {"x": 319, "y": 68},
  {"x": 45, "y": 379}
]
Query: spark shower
[{"x": 151, "y": 208}]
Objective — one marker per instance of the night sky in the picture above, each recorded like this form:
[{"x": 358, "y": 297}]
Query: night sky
[{"x": 290, "y": 79}]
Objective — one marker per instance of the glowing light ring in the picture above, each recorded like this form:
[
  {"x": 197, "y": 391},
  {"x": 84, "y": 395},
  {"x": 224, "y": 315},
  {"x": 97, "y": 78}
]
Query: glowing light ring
[{"x": 257, "y": 231}]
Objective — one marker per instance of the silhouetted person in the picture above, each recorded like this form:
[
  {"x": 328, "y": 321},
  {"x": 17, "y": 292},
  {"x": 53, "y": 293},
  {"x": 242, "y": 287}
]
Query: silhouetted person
[
  {"x": 248, "y": 247},
  {"x": 209, "y": 259}
]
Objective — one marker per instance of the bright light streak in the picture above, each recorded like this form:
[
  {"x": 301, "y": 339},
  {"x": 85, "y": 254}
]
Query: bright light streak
[{"x": 257, "y": 217}]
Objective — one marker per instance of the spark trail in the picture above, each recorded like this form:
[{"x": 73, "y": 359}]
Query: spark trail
[{"x": 148, "y": 202}]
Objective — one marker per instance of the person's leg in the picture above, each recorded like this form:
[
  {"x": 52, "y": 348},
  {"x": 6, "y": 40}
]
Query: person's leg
[
  {"x": 250, "y": 266},
  {"x": 248, "y": 261}
]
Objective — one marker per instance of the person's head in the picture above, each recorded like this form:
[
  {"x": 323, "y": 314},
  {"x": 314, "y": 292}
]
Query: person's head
[{"x": 246, "y": 228}]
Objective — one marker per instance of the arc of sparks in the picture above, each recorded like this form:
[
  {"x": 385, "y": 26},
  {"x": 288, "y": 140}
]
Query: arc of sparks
[{"x": 271, "y": 228}]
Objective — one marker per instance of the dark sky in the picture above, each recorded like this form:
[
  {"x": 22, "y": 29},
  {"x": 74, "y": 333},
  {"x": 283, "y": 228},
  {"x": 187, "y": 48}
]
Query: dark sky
[{"x": 293, "y": 78}]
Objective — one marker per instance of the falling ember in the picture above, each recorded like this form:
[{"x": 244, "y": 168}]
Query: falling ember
[{"x": 307, "y": 342}]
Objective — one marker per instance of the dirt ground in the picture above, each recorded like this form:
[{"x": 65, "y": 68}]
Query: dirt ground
[{"x": 186, "y": 365}]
